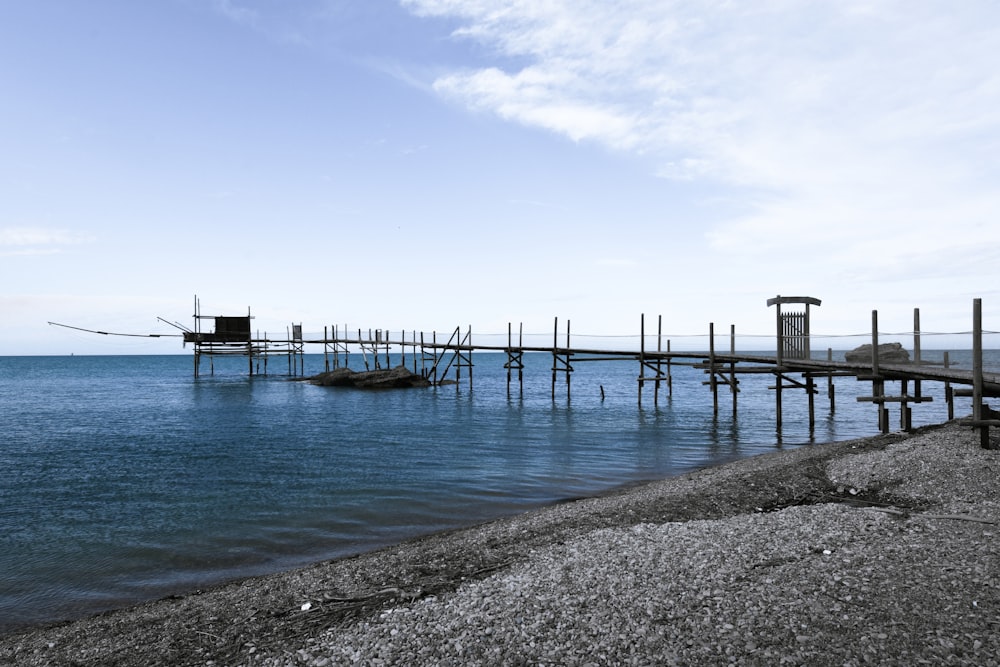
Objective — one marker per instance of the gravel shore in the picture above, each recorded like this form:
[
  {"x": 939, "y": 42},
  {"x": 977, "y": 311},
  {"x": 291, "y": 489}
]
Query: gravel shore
[{"x": 878, "y": 551}]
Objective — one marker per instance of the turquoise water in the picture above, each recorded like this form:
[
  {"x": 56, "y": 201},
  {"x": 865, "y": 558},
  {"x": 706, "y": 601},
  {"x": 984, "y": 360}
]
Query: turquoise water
[{"x": 126, "y": 479}]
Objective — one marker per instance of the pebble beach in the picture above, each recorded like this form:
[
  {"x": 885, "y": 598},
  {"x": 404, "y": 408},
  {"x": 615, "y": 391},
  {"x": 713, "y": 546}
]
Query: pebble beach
[{"x": 882, "y": 551}]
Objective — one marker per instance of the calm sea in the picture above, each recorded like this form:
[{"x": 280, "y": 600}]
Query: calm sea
[{"x": 126, "y": 479}]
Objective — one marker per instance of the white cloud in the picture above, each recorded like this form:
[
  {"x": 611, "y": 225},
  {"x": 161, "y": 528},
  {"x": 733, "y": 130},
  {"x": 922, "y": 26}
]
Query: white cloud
[
  {"x": 36, "y": 240},
  {"x": 858, "y": 132}
]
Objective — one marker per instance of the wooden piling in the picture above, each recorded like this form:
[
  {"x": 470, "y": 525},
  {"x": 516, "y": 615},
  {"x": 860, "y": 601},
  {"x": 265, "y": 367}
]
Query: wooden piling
[
  {"x": 515, "y": 358},
  {"x": 778, "y": 358},
  {"x": 555, "y": 355},
  {"x": 977, "y": 374},
  {"x": 878, "y": 384},
  {"x": 670, "y": 376},
  {"x": 949, "y": 393},
  {"x": 568, "y": 367},
  {"x": 711, "y": 369},
  {"x": 659, "y": 359},
  {"x": 830, "y": 390},
  {"x": 811, "y": 393},
  {"x": 733, "y": 385},
  {"x": 642, "y": 355}
]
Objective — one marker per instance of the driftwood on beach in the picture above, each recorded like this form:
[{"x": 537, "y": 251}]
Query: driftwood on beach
[{"x": 390, "y": 378}]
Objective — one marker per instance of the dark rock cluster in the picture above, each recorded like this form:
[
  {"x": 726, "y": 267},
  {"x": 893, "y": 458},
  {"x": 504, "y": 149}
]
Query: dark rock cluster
[
  {"x": 389, "y": 378},
  {"x": 889, "y": 353}
]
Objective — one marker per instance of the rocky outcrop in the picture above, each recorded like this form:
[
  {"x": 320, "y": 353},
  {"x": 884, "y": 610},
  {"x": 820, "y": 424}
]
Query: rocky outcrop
[
  {"x": 888, "y": 353},
  {"x": 391, "y": 378}
]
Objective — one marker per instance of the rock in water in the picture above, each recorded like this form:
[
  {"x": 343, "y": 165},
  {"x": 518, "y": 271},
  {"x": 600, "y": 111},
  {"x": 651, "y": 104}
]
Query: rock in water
[
  {"x": 391, "y": 378},
  {"x": 889, "y": 353}
]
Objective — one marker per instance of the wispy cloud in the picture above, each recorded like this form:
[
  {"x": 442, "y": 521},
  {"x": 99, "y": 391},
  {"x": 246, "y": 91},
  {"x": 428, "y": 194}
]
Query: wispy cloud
[
  {"x": 852, "y": 129},
  {"x": 36, "y": 240},
  {"x": 237, "y": 13}
]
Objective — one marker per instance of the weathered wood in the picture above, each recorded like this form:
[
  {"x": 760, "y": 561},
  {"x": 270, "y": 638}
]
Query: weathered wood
[
  {"x": 830, "y": 388},
  {"x": 894, "y": 399},
  {"x": 642, "y": 355},
  {"x": 977, "y": 373},
  {"x": 659, "y": 348},
  {"x": 711, "y": 363},
  {"x": 733, "y": 382}
]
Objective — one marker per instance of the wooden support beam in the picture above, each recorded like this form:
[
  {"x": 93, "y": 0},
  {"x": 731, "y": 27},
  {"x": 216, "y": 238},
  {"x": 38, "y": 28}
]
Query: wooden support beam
[{"x": 894, "y": 399}]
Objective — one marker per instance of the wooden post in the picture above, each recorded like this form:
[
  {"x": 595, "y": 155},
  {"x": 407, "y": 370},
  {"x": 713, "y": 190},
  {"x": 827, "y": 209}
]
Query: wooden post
[
  {"x": 949, "y": 394},
  {"x": 509, "y": 358},
  {"x": 670, "y": 375},
  {"x": 905, "y": 411},
  {"x": 732, "y": 365},
  {"x": 779, "y": 379},
  {"x": 659, "y": 359},
  {"x": 977, "y": 372},
  {"x": 458, "y": 354},
  {"x": 811, "y": 391},
  {"x": 520, "y": 358},
  {"x": 878, "y": 384},
  {"x": 423, "y": 357},
  {"x": 711, "y": 368},
  {"x": 808, "y": 342},
  {"x": 197, "y": 345},
  {"x": 555, "y": 354},
  {"x": 568, "y": 368},
  {"x": 830, "y": 391},
  {"x": 515, "y": 357},
  {"x": 781, "y": 340},
  {"x": 642, "y": 354}
]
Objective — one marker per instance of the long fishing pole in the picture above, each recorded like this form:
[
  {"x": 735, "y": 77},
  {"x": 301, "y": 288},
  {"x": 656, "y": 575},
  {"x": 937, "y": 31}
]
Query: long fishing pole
[{"x": 113, "y": 333}]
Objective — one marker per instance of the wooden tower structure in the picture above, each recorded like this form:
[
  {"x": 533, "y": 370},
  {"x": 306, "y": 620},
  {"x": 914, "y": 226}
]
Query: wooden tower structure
[{"x": 231, "y": 335}]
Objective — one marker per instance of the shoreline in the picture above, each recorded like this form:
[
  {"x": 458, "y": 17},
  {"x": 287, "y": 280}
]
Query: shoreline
[{"x": 310, "y": 615}]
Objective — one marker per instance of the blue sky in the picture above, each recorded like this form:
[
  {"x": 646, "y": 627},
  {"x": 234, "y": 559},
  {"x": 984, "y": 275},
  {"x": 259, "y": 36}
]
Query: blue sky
[{"x": 427, "y": 164}]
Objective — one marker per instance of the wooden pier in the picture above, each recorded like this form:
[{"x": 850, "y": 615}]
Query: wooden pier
[{"x": 449, "y": 360}]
